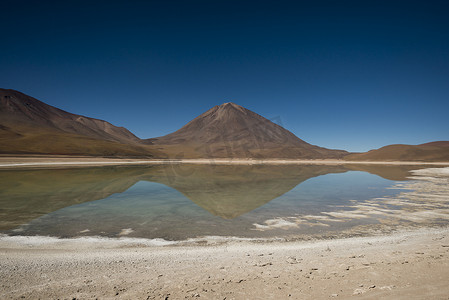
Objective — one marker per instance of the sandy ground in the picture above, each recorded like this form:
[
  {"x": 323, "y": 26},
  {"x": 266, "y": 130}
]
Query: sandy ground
[
  {"x": 405, "y": 265},
  {"x": 64, "y": 161}
]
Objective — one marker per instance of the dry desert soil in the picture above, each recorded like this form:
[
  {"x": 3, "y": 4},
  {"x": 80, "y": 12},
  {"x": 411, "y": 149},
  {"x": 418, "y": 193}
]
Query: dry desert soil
[{"x": 404, "y": 265}]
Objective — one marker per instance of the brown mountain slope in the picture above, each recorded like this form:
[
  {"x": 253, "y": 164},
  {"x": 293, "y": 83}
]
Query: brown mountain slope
[
  {"x": 16, "y": 107},
  {"x": 230, "y": 130},
  {"x": 28, "y": 125},
  {"x": 434, "y": 151},
  {"x": 32, "y": 140}
]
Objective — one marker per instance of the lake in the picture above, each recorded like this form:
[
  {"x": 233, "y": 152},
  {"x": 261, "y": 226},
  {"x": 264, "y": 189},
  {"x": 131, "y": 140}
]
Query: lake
[{"x": 180, "y": 201}]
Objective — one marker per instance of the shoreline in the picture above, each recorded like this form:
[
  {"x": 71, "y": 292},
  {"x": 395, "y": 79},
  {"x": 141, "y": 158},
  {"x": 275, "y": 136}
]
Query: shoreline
[
  {"x": 403, "y": 265},
  {"x": 10, "y": 162},
  {"x": 39, "y": 242}
]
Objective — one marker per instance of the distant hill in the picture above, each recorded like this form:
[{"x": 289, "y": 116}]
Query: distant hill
[
  {"x": 29, "y": 126},
  {"x": 232, "y": 131},
  {"x": 432, "y": 152}
]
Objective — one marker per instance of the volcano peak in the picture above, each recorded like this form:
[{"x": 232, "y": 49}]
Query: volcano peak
[{"x": 230, "y": 130}]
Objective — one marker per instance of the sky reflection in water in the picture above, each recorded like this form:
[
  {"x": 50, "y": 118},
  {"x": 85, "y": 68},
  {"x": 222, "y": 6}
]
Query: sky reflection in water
[{"x": 176, "y": 202}]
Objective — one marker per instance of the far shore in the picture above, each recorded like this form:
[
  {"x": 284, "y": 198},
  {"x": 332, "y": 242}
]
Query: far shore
[{"x": 10, "y": 161}]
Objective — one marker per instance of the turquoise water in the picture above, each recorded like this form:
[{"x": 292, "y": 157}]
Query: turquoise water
[{"x": 176, "y": 202}]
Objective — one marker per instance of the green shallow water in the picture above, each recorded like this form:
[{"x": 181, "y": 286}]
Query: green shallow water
[{"x": 176, "y": 202}]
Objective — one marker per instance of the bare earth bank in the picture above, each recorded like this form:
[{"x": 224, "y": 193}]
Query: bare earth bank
[
  {"x": 52, "y": 161},
  {"x": 405, "y": 265}
]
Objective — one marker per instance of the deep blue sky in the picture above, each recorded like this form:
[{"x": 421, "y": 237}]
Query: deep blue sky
[{"x": 353, "y": 75}]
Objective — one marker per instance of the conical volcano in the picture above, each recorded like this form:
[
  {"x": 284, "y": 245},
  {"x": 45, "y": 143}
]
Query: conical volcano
[{"x": 232, "y": 131}]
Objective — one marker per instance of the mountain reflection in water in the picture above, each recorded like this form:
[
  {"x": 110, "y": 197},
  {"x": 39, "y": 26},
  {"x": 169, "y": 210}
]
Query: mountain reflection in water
[{"x": 225, "y": 191}]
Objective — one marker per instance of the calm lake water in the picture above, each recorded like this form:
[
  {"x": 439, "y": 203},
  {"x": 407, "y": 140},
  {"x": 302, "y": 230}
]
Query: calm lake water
[{"x": 176, "y": 202}]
